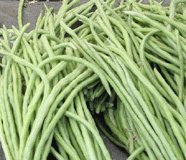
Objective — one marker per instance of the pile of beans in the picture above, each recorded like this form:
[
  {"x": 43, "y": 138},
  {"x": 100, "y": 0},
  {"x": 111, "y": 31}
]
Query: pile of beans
[{"x": 120, "y": 68}]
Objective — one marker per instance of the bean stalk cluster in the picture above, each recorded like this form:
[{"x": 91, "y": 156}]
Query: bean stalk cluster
[{"x": 120, "y": 68}]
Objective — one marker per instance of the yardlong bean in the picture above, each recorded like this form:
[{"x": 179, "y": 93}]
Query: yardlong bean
[{"x": 118, "y": 66}]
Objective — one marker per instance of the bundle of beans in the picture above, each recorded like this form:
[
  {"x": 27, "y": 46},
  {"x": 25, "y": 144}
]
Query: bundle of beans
[
  {"x": 41, "y": 97},
  {"x": 123, "y": 63}
]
